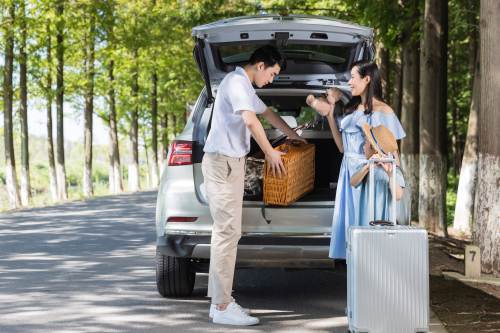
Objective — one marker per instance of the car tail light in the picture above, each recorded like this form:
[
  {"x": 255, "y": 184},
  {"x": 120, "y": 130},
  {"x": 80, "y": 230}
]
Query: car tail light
[
  {"x": 182, "y": 219},
  {"x": 182, "y": 153}
]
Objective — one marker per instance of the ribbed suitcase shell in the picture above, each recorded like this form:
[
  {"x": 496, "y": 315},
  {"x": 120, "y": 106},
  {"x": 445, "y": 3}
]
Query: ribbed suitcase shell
[{"x": 387, "y": 279}]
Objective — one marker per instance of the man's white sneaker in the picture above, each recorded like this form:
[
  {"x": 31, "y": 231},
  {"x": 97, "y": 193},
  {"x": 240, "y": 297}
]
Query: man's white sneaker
[
  {"x": 213, "y": 307},
  {"x": 233, "y": 315}
]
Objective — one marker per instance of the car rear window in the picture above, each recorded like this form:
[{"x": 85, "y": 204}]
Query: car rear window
[{"x": 302, "y": 58}]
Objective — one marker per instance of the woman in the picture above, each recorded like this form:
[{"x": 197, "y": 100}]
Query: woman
[{"x": 366, "y": 106}]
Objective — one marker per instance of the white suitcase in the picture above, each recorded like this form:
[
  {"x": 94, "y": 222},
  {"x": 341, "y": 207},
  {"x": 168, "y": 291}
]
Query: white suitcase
[{"x": 387, "y": 275}]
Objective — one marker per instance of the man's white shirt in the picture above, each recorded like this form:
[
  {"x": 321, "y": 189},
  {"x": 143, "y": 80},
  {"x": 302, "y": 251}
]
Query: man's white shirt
[{"x": 228, "y": 134}]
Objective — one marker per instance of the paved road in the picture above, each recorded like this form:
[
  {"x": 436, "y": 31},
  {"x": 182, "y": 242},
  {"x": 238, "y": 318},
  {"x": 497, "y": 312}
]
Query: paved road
[{"x": 89, "y": 267}]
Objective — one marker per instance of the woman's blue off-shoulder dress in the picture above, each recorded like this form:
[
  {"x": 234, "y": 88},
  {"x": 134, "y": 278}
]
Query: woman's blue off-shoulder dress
[
  {"x": 349, "y": 206},
  {"x": 347, "y": 197}
]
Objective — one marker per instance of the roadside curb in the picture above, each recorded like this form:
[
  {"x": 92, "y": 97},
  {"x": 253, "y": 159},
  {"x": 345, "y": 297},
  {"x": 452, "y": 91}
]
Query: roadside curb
[
  {"x": 435, "y": 325},
  {"x": 491, "y": 280}
]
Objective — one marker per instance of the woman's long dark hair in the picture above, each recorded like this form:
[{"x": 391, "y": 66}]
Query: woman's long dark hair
[{"x": 374, "y": 87}]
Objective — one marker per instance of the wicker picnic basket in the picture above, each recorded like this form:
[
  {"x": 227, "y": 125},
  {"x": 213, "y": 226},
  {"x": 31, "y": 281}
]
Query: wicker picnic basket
[{"x": 299, "y": 178}]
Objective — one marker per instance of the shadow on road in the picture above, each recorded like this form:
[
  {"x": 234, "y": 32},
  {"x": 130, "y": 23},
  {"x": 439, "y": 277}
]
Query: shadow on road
[{"x": 89, "y": 267}]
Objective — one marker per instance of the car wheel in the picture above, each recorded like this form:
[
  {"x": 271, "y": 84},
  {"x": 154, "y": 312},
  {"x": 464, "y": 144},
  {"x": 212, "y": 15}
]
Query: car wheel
[{"x": 174, "y": 277}]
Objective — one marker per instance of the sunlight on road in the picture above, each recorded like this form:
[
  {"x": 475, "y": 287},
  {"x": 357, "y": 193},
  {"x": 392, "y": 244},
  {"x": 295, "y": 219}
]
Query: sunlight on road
[{"x": 82, "y": 267}]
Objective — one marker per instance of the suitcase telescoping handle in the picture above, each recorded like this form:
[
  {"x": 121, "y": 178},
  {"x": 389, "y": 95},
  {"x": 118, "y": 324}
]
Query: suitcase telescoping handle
[{"x": 371, "y": 191}]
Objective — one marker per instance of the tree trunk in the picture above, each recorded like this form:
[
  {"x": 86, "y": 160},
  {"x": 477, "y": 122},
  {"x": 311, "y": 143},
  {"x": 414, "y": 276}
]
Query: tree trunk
[
  {"x": 453, "y": 105},
  {"x": 154, "y": 131},
  {"x": 164, "y": 139},
  {"x": 174, "y": 123},
  {"x": 133, "y": 172},
  {"x": 464, "y": 207},
  {"x": 23, "y": 112},
  {"x": 115, "y": 177},
  {"x": 487, "y": 209},
  {"x": 383, "y": 65},
  {"x": 10, "y": 161},
  {"x": 60, "y": 168},
  {"x": 50, "y": 142},
  {"x": 454, "y": 135},
  {"x": 396, "y": 100},
  {"x": 88, "y": 190},
  {"x": 410, "y": 107},
  {"x": 432, "y": 186},
  {"x": 179, "y": 123},
  {"x": 189, "y": 111},
  {"x": 149, "y": 173}
]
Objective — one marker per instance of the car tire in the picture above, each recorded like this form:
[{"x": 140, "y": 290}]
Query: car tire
[{"x": 174, "y": 277}]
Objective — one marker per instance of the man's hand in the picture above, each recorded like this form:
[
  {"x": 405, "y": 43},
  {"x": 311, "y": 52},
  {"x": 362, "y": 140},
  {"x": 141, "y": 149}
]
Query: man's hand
[
  {"x": 273, "y": 157},
  {"x": 275, "y": 164}
]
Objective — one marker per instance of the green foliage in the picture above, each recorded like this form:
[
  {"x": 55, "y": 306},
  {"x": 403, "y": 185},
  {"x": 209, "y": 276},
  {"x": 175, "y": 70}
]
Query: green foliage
[
  {"x": 100, "y": 175},
  {"x": 306, "y": 115},
  {"x": 39, "y": 177},
  {"x": 451, "y": 197},
  {"x": 145, "y": 37}
]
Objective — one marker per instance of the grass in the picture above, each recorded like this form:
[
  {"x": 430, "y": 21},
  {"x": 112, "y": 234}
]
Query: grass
[
  {"x": 74, "y": 152},
  {"x": 44, "y": 198}
]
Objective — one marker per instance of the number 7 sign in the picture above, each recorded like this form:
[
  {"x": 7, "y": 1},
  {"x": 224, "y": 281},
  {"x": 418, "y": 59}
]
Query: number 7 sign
[{"x": 472, "y": 261}]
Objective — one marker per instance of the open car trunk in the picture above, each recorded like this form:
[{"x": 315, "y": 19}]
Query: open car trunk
[
  {"x": 327, "y": 156},
  {"x": 319, "y": 52}
]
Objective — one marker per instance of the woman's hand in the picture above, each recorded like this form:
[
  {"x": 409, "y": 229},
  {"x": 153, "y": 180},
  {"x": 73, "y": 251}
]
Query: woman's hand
[
  {"x": 387, "y": 167},
  {"x": 333, "y": 95},
  {"x": 320, "y": 105}
]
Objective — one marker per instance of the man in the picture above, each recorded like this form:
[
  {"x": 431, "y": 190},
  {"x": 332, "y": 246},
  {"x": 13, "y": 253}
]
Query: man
[{"x": 234, "y": 119}]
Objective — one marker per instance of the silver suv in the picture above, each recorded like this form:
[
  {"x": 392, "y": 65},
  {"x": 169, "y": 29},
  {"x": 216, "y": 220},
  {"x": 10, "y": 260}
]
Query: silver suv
[{"x": 319, "y": 52}]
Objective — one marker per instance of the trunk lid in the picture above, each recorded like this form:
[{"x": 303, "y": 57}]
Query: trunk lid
[{"x": 319, "y": 50}]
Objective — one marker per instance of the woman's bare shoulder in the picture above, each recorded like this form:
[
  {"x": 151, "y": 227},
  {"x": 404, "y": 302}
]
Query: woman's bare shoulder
[{"x": 379, "y": 106}]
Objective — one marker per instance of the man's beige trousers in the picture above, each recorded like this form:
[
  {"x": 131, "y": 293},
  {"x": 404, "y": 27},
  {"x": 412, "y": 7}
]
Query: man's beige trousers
[{"x": 224, "y": 181}]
